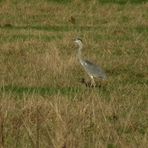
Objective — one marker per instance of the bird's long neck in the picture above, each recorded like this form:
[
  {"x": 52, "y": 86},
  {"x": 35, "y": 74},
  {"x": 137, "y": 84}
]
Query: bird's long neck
[{"x": 80, "y": 52}]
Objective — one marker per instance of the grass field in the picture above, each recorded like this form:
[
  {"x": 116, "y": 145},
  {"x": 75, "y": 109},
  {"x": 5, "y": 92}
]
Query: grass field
[{"x": 43, "y": 103}]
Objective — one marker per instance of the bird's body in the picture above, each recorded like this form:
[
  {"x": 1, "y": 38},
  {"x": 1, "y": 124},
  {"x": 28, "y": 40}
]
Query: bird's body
[{"x": 91, "y": 69}]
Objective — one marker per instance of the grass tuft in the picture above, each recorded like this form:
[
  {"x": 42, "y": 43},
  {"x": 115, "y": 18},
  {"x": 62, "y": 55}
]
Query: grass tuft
[{"x": 45, "y": 100}]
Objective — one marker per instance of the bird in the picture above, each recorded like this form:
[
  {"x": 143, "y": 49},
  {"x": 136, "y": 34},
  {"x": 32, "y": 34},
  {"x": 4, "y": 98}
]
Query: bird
[
  {"x": 91, "y": 69},
  {"x": 72, "y": 20}
]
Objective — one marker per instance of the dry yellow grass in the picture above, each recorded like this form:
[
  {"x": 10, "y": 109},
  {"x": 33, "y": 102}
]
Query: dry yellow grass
[{"x": 42, "y": 100}]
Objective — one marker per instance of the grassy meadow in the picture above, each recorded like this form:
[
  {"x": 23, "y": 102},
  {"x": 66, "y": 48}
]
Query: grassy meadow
[{"x": 43, "y": 102}]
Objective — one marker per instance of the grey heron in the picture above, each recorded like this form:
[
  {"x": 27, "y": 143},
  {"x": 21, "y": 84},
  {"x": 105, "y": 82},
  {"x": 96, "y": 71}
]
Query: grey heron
[{"x": 91, "y": 69}]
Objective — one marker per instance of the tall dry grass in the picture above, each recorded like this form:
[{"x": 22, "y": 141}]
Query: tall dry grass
[{"x": 42, "y": 100}]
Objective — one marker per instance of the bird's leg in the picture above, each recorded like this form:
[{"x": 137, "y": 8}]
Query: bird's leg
[{"x": 93, "y": 84}]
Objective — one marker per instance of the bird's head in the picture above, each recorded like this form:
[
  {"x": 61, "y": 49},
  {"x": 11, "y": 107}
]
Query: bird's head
[{"x": 78, "y": 41}]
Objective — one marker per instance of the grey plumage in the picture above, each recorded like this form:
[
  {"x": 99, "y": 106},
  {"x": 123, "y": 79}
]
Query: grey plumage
[{"x": 91, "y": 69}]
